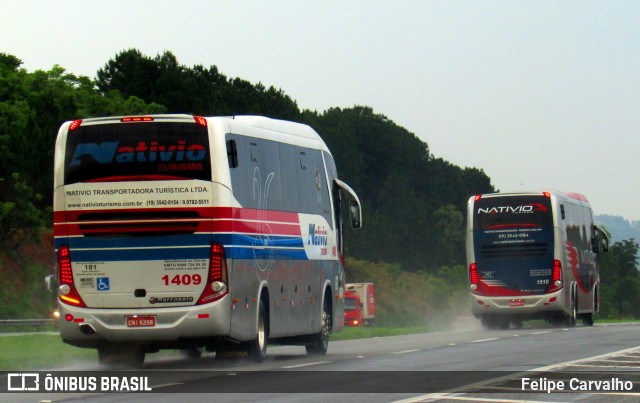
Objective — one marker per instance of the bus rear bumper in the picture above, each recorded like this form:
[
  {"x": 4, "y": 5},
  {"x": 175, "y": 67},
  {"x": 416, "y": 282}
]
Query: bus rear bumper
[
  {"x": 89, "y": 327},
  {"x": 536, "y": 305}
]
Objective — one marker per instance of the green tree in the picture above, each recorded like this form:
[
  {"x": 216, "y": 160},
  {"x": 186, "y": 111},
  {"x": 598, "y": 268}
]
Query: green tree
[
  {"x": 450, "y": 239},
  {"x": 197, "y": 90},
  {"x": 620, "y": 281},
  {"x": 32, "y": 107},
  {"x": 20, "y": 201}
]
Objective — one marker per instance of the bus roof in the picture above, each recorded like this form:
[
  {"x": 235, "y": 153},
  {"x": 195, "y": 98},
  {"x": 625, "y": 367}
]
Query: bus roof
[
  {"x": 549, "y": 192},
  {"x": 265, "y": 127}
]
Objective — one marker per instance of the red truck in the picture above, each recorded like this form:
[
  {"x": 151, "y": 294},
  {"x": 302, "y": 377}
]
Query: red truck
[{"x": 359, "y": 307}]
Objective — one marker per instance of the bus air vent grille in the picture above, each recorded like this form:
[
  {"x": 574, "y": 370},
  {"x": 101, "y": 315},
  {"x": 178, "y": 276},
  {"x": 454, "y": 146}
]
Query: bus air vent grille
[{"x": 138, "y": 224}]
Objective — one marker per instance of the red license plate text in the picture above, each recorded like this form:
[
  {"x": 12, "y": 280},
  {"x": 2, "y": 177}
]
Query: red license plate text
[{"x": 141, "y": 321}]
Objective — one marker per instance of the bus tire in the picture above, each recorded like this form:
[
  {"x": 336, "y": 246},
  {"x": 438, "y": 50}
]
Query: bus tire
[
  {"x": 192, "y": 353},
  {"x": 258, "y": 347},
  {"x": 587, "y": 319},
  {"x": 121, "y": 356},
  {"x": 489, "y": 322},
  {"x": 320, "y": 341},
  {"x": 503, "y": 323},
  {"x": 572, "y": 318}
]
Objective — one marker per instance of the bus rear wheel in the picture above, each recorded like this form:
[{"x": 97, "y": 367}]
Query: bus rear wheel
[
  {"x": 257, "y": 348},
  {"x": 320, "y": 341},
  {"x": 121, "y": 355},
  {"x": 587, "y": 319},
  {"x": 493, "y": 322},
  {"x": 572, "y": 318},
  {"x": 488, "y": 322},
  {"x": 503, "y": 323},
  {"x": 192, "y": 352}
]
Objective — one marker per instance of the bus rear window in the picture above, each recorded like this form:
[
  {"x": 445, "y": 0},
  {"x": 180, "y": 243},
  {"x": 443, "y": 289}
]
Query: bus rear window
[
  {"x": 132, "y": 151},
  {"x": 512, "y": 212}
]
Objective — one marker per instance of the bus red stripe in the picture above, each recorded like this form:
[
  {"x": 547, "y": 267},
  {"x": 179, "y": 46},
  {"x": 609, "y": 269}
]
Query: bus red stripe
[{"x": 225, "y": 220}]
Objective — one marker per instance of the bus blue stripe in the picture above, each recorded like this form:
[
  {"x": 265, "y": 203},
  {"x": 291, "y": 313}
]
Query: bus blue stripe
[
  {"x": 183, "y": 253},
  {"x": 238, "y": 246}
]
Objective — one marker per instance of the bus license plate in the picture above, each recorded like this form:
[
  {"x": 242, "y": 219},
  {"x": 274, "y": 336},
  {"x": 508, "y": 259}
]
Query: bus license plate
[
  {"x": 516, "y": 302},
  {"x": 141, "y": 321}
]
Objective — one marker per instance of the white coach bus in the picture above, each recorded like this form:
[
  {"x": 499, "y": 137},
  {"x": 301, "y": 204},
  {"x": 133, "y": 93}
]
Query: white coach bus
[
  {"x": 192, "y": 233},
  {"x": 533, "y": 255}
]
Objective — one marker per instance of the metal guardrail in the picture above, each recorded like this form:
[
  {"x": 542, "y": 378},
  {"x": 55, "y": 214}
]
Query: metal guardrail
[{"x": 26, "y": 322}]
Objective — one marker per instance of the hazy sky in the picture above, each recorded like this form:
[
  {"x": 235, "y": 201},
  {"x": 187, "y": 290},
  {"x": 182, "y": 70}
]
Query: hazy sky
[{"x": 538, "y": 94}]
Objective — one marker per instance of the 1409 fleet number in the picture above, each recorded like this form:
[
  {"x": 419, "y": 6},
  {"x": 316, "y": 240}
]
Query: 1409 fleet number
[{"x": 184, "y": 279}]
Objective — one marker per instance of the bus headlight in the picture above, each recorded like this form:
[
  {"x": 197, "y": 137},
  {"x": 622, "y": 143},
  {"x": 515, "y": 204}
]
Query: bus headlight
[
  {"x": 557, "y": 283},
  {"x": 473, "y": 287}
]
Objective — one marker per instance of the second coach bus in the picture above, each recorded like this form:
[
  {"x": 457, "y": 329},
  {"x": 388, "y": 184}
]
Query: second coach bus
[
  {"x": 192, "y": 233},
  {"x": 533, "y": 255}
]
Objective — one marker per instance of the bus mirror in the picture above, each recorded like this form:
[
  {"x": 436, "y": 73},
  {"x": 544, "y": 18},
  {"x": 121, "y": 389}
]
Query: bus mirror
[
  {"x": 48, "y": 281},
  {"x": 355, "y": 209},
  {"x": 356, "y": 214},
  {"x": 601, "y": 240}
]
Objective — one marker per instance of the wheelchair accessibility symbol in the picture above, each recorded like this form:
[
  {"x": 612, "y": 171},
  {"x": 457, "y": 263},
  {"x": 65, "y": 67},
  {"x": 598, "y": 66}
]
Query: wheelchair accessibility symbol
[{"x": 102, "y": 283}]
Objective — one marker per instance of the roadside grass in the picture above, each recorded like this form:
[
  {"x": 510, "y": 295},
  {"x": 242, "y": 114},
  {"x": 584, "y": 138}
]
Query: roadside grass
[
  {"x": 40, "y": 351},
  {"x": 629, "y": 320},
  {"x": 350, "y": 333}
]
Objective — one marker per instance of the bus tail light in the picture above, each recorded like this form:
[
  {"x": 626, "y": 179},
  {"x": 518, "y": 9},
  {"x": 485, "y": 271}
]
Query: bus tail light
[
  {"x": 556, "y": 277},
  {"x": 136, "y": 119},
  {"x": 216, "y": 286},
  {"x": 75, "y": 124},
  {"x": 474, "y": 278},
  {"x": 201, "y": 121},
  {"x": 67, "y": 292}
]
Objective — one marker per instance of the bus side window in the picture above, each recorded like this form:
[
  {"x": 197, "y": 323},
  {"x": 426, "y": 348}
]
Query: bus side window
[
  {"x": 289, "y": 170},
  {"x": 232, "y": 153},
  {"x": 562, "y": 211}
]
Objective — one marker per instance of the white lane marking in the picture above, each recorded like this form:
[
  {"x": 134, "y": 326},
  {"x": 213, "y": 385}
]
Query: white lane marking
[
  {"x": 485, "y": 399},
  {"x": 404, "y": 351},
  {"x": 308, "y": 364},
  {"x": 483, "y": 340},
  {"x": 451, "y": 394},
  {"x": 605, "y": 366},
  {"x": 541, "y": 332},
  {"x": 597, "y": 357}
]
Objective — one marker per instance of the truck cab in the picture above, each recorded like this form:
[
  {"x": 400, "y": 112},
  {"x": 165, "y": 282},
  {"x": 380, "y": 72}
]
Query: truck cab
[{"x": 352, "y": 309}]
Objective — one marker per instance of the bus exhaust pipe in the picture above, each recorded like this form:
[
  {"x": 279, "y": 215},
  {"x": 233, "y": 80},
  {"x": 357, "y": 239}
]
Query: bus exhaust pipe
[{"x": 87, "y": 329}]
